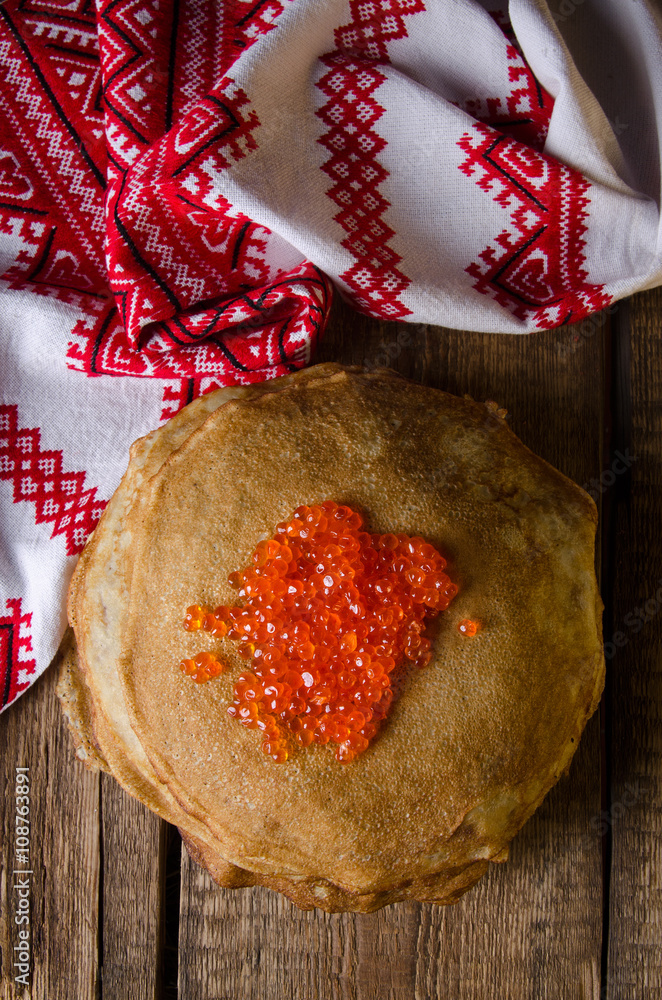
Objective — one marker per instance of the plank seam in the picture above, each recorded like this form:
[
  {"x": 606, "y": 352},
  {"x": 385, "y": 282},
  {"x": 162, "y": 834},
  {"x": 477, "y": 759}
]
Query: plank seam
[{"x": 617, "y": 438}]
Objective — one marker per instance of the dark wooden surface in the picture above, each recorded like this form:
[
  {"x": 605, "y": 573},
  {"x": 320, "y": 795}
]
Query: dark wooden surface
[{"x": 119, "y": 912}]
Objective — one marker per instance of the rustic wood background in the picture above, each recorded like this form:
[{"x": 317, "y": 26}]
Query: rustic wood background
[{"x": 119, "y": 911}]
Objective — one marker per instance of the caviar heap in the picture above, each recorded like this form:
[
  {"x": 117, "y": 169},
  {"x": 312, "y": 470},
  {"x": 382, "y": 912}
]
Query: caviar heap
[{"x": 329, "y": 612}]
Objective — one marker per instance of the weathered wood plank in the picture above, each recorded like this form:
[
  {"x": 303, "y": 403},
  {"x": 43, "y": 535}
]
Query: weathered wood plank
[
  {"x": 63, "y": 853},
  {"x": 533, "y": 927},
  {"x": 633, "y": 813},
  {"x": 387, "y": 951},
  {"x": 133, "y": 842},
  {"x": 255, "y": 945}
]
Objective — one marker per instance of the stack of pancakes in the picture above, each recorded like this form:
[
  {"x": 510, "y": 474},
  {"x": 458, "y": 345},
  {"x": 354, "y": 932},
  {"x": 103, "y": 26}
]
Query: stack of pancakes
[{"x": 475, "y": 739}]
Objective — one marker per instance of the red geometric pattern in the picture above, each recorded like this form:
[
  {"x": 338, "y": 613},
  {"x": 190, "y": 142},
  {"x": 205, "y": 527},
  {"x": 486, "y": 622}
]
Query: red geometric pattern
[
  {"x": 15, "y": 642},
  {"x": 525, "y": 112},
  {"x": 188, "y": 272},
  {"x": 60, "y": 497},
  {"x": 172, "y": 243},
  {"x": 266, "y": 332},
  {"x": 99, "y": 345},
  {"x": 52, "y": 162},
  {"x": 180, "y": 394},
  {"x": 535, "y": 268},
  {"x": 350, "y": 114},
  {"x": 252, "y": 20},
  {"x": 63, "y": 40},
  {"x": 230, "y": 29},
  {"x": 134, "y": 42}
]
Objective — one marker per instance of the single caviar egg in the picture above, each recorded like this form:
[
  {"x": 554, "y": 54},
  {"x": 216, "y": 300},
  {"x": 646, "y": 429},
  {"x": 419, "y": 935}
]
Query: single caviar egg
[
  {"x": 468, "y": 627},
  {"x": 329, "y": 614}
]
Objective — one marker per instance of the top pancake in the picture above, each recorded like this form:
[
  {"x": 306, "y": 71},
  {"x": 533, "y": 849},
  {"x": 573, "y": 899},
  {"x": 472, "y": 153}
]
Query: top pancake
[
  {"x": 89, "y": 686},
  {"x": 478, "y": 737}
]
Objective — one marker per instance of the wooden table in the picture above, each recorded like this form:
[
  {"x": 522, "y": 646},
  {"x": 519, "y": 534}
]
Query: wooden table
[{"x": 119, "y": 911}]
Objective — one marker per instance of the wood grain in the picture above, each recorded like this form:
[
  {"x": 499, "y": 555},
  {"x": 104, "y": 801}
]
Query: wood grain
[
  {"x": 254, "y": 944},
  {"x": 133, "y": 847},
  {"x": 532, "y": 929},
  {"x": 97, "y": 856},
  {"x": 64, "y": 851},
  {"x": 633, "y": 814}
]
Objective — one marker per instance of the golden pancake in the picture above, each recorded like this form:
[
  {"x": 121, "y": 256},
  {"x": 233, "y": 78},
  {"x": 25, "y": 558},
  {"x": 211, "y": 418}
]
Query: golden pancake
[
  {"x": 474, "y": 741},
  {"x": 89, "y": 687}
]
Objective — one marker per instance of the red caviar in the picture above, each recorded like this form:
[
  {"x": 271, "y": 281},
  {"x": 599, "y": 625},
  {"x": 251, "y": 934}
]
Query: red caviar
[
  {"x": 203, "y": 667},
  {"x": 468, "y": 627},
  {"x": 329, "y": 612}
]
